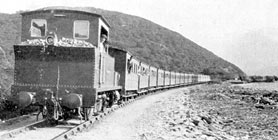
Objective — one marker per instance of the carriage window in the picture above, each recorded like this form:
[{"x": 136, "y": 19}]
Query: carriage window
[
  {"x": 38, "y": 28},
  {"x": 81, "y": 29}
]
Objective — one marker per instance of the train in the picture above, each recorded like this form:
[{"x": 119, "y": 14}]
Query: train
[{"x": 66, "y": 66}]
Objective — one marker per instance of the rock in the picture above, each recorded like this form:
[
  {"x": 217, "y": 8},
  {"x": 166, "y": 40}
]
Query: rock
[
  {"x": 208, "y": 134},
  {"x": 188, "y": 114},
  {"x": 195, "y": 122},
  {"x": 259, "y": 106},
  {"x": 228, "y": 121},
  {"x": 206, "y": 119},
  {"x": 265, "y": 100},
  {"x": 172, "y": 123}
]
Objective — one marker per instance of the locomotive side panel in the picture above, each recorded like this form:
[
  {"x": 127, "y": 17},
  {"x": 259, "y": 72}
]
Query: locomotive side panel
[{"x": 111, "y": 77}]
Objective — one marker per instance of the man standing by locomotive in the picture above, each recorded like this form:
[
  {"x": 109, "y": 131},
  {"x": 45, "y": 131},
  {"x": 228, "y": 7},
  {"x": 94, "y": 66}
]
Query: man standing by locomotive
[{"x": 102, "y": 50}]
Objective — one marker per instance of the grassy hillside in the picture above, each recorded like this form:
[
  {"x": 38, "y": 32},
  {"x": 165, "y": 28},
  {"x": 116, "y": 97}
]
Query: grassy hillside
[
  {"x": 9, "y": 35},
  {"x": 146, "y": 40}
]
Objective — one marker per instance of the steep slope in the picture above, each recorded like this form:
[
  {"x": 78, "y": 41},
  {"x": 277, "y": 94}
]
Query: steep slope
[{"x": 148, "y": 41}]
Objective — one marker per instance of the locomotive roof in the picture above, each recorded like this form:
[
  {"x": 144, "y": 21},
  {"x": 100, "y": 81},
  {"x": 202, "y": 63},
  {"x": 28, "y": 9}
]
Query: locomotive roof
[{"x": 66, "y": 9}]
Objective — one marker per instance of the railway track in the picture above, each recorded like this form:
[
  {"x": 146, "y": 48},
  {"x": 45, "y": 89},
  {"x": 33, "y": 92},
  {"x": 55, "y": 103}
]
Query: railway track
[
  {"x": 63, "y": 130},
  {"x": 87, "y": 124},
  {"x": 16, "y": 131},
  {"x": 13, "y": 124}
]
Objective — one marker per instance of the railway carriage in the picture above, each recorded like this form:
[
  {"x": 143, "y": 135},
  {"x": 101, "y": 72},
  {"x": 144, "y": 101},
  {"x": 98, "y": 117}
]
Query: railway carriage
[
  {"x": 152, "y": 77},
  {"x": 200, "y": 78},
  {"x": 129, "y": 69},
  {"x": 144, "y": 76},
  {"x": 189, "y": 78},
  {"x": 172, "y": 78},
  {"x": 177, "y": 78},
  {"x": 167, "y": 78},
  {"x": 183, "y": 79},
  {"x": 160, "y": 78},
  {"x": 194, "y": 78}
]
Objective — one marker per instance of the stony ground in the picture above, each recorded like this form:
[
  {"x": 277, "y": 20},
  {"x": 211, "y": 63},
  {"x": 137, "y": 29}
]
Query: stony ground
[
  {"x": 178, "y": 118},
  {"x": 245, "y": 113},
  {"x": 172, "y": 115}
]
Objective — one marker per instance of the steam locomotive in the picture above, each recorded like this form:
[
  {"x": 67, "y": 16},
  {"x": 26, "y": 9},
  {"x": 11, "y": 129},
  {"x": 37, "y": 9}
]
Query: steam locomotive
[{"x": 64, "y": 67}]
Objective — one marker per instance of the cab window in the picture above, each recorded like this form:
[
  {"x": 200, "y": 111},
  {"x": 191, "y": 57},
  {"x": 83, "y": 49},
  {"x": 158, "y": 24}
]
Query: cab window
[
  {"x": 38, "y": 27},
  {"x": 81, "y": 29}
]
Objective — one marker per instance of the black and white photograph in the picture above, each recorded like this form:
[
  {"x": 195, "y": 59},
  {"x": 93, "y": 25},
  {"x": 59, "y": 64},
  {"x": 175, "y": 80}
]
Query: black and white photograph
[{"x": 139, "y": 70}]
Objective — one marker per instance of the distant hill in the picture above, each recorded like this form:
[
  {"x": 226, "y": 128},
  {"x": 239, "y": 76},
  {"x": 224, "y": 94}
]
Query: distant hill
[
  {"x": 267, "y": 70},
  {"x": 148, "y": 41}
]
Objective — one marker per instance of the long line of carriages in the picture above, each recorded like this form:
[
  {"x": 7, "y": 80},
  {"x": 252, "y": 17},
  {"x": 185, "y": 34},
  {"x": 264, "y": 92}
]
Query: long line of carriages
[{"x": 139, "y": 77}]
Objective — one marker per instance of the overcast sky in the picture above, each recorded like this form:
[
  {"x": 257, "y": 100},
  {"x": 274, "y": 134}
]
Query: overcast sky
[{"x": 217, "y": 25}]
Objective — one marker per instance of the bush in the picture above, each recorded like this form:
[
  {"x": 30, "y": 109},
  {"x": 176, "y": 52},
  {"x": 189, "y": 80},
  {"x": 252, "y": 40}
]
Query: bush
[{"x": 269, "y": 79}]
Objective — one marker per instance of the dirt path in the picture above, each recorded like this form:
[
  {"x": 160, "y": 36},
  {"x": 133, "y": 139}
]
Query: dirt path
[{"x": 126, "y": 123}]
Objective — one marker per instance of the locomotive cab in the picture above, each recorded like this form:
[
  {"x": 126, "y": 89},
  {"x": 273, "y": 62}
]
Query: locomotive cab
[{"x": 79, "y": 25}]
